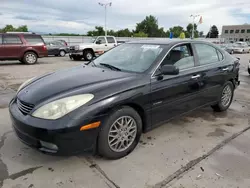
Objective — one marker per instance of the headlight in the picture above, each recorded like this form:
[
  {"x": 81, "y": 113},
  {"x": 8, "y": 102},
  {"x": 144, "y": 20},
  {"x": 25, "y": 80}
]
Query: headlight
[
  {"x": 77, "y": 47},
  {"x": 61, "y": 107},
  {"x": 24, "y": 84}
]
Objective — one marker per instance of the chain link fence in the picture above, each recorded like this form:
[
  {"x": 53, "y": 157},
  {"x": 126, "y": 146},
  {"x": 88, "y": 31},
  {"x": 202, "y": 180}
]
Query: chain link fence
[{"x": 74, "y": 40}]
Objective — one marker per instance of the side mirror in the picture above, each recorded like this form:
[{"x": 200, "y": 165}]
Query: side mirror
[
  {"x": 98, "y": 42},
  {"x": 169, "y": 70}
]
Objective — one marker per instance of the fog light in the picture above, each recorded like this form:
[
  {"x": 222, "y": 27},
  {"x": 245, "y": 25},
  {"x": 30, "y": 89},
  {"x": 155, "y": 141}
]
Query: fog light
[{"x": 48, "y": 145}]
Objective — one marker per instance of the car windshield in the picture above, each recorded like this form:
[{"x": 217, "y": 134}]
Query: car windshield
[{"x": 131, "y": 57}]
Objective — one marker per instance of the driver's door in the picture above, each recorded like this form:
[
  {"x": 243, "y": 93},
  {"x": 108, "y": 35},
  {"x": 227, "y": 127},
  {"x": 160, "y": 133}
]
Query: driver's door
[
  {"x": 173, "y": 95},
  {"x": 101, "y": 45}
]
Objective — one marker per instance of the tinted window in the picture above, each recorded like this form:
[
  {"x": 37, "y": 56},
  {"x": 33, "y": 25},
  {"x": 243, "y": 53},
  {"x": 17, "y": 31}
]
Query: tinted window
[
  {"x": 131, "y": 57},
  {"x": 181, "y": 56},
  {"x": 243, "y": 31},
  {"x": 102, "y": 40},
  {"x": 110, "y": 40},
  {"x": 226, "y": 31},
  {"x": 231, "y": 31},
  {"x": 11, "y": 39},
  {"x": 220, "y": 55},
  {"x": 206, "y": 54},
  {"x": 33, "y": 39}
]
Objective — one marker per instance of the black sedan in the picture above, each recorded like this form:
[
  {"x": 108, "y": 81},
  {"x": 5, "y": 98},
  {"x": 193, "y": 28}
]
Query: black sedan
[
  {"x": 57, "y": 48},
  {"x": 106, "y": 104}
]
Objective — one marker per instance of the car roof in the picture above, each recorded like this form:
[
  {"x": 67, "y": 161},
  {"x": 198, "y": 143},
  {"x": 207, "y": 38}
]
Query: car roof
[{"x": 166, "y": 41}]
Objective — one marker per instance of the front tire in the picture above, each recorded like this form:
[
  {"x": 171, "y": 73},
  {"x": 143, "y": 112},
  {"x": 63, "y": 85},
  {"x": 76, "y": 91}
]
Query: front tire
[
  {"x": 88, "y": 55},
  {"x": 29, "y": 58},
  {"x": 226, "y": 97},
  {"x": 120, "y": 133}
]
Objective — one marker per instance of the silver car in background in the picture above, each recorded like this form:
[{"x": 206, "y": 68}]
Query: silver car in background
[{"x": 238, "y": 47}]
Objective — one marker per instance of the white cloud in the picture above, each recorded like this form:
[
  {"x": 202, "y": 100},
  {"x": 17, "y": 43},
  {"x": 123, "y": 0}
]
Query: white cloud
[{"x": 80, "y": 16}]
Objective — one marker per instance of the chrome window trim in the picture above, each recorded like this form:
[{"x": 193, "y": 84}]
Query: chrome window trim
[{"x": 195, "y": 67}]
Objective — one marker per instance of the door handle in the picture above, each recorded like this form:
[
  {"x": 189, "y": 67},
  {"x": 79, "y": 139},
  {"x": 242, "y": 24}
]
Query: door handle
[
  {"x": 196, "y": 76},
  {"x": 225, "y": 69}
]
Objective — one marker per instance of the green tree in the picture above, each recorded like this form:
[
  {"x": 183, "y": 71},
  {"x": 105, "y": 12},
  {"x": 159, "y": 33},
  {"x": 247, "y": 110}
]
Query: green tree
[
  {"x": 10, "y": 28},
  {"x": 97, "y": 32},
  {"x": 124, "y": 33},
  {"x": 140, "y": 34},
  {"x": 176, "y": 30},
  {"x": 149, "y": 26},
  {"x": 213, "y": 33},
  {"x": 22, "y": 28},
  {"x": 201, "y": 33},
  {"x": 189, "y": 31}
]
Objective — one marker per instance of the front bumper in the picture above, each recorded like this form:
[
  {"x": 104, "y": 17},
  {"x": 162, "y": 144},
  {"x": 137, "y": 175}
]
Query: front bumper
[{"x": 61, "y": 137}]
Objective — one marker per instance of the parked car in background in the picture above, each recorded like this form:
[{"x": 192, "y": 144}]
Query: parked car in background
[
  {"x": 238, "y": 47},
  {"x": 23, "y": 46},
  {"x": 57, "y": 48},
  {"x": 105, "y": 105},
  {"x": 88, "y": 51},
  {"x": 63, "y": 42},
  {"x": 248, "y": 67}
]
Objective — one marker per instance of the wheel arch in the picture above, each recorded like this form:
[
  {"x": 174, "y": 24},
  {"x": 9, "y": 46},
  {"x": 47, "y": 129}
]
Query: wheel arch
[
  {"x": 89, "y": 49},
  {"x": 30, "y": 51}
]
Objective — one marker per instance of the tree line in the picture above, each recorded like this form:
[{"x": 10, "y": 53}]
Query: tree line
[{"x": 146, "y": 28}]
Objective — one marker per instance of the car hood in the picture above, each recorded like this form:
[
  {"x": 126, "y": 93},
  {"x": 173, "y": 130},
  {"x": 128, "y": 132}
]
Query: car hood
[{"x": 83, "y": 79}]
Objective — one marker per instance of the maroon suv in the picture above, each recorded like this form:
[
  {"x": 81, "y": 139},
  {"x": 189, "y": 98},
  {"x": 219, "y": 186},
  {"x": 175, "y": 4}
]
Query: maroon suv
[{"x": 25, "y": 47}]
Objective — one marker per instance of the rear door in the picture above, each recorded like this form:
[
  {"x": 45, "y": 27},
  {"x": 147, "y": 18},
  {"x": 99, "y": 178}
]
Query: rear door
[
  {"x": 12, "y": 45},
  {"x": 173, "y": 95},
  {"x": 1, "y": 47},
  {"x": 111, "y": 42},
  {"x": 213, "y": 71}
]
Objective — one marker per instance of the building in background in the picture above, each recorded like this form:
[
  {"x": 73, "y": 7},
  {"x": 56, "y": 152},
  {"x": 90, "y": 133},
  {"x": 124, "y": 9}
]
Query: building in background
[{"x": 236, "y": 32}]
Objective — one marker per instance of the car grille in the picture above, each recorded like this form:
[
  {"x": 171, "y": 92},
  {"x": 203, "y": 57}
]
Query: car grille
[
  {"x": 25, "y": 108},
  {"x": 72, "y": 47}
]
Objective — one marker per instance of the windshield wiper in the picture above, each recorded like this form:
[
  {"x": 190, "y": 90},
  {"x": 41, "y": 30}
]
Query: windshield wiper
[{"x": 110, "y": 66}]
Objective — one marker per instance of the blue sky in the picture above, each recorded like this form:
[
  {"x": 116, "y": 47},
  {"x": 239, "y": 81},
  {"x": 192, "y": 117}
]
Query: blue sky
[{"x": 79, "y": 16}]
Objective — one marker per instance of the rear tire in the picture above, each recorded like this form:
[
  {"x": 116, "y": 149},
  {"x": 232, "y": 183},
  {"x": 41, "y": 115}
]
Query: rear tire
[
  {"x": 29, "y": 58},
  {"x": 226, "y": 97},
  {"x": 112, "y": 132},
  {"x": 88, "y": 55},
  {"x": 62, "y": 53}
]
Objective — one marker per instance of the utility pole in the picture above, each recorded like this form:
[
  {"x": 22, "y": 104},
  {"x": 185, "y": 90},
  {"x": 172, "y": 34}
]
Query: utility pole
[
  {"x": 193, "y": 16},
  {"x": 105, "y": 6}
]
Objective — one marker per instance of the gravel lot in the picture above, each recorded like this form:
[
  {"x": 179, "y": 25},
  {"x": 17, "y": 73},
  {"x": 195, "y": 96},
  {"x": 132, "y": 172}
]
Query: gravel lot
[{"x": 202, "y": 149}]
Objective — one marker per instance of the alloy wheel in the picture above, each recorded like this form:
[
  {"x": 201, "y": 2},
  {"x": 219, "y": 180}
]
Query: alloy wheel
[
  {"x": 226, "y": 96},
  {"x": 122, "y": 133}
]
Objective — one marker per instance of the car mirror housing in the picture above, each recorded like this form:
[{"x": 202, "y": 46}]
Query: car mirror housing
[{"x": 169, "y": 70}]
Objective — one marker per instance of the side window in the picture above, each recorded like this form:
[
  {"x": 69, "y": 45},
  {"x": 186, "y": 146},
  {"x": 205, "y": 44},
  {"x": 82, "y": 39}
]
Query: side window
[
  {"x": 206, "y": 54},
  {"x": 33, "y": 39},
  {"x": 180, "y": 56},
  {"x": 11, "y": 39},
  {"x": 102, "y": 40},
  {"x": 220, "y": 55},
  {"x": 110, "y": 40}
]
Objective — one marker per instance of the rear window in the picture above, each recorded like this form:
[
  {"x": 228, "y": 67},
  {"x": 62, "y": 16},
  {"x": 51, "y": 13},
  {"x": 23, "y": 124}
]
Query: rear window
[
  {"x": 110, "y": 40},
  {"x": 33, "y": 39}
]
